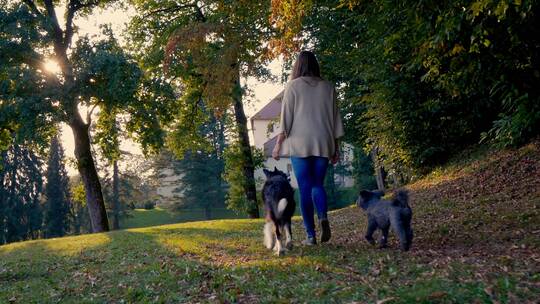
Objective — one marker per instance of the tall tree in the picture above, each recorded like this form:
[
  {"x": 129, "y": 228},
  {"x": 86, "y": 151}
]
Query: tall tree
[
  {"x": 20, "y": 189},
  {"x": 211, "y": 45},
  {"x": 201, "y": 170},
  {"x": 91, "y": 74},
  {"x": 57, "y": 205}
]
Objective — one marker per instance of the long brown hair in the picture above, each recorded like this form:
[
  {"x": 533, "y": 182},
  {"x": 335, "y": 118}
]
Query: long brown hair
[{"x": 306, "y": 65}]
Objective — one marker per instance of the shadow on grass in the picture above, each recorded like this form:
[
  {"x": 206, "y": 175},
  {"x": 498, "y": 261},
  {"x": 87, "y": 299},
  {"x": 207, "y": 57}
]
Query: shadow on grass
[{"x": 179, "y": 264}]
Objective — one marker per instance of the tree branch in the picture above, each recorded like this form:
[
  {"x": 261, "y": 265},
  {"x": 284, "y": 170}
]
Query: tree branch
[
  {"x": 57, "y": 31},
  {"x": 89, "y": 115},
  {"x": 199, "y": 14},
  {"x": 198, "y": 11},
  {"x": 71, "y": 9},
  {"x": 33, "y": 7},
  {"x": 9, "y": 129}
]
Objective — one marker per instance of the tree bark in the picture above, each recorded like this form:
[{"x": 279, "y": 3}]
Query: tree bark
[
  {"x": 243, "y": 137},
  {"x": 89, "y": 176},
  {"x": 378, "y": 170},
  {"x": 208, "y": 212},
  {"x": 115, "y": 197}
]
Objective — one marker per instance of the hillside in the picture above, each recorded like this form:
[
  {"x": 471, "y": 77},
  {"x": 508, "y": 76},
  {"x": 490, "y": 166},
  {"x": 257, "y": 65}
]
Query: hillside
[
  {"x": 139, "y": 218},
  {"x": 477, "y": 240}
]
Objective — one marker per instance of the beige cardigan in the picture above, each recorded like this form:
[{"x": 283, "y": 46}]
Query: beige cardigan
[{"x": 310, "y": 118}]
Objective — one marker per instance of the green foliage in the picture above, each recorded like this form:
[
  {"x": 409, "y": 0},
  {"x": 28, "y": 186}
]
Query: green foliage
[
  {"x": 201, "y": 183},
  {"x": 421, "y": 80},
  {"x": 107, "y": 76},
  {"x": 22, "y": 111},
  {"x": 112, "y": 80},
  {"x": 80, "y": 220},
  {"x": 92, "y": 73},
  {"x": 107, "y": 135},
  {"x": 235, "y": 177},
  {"x": 194, "y": 126},
  {"x": 21, "y": 186},
  {"x": 150, "y": 112},
  {"x": 135, "y": 185},
  {"x": 206, "y": 47},
  {"x": 57, "y": 205},
  {"x": 149, "y": 205},
  {"x": 362, "y": 170}
]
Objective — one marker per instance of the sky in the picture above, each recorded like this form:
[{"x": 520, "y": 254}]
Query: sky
[{"x": 263, "y": 91}]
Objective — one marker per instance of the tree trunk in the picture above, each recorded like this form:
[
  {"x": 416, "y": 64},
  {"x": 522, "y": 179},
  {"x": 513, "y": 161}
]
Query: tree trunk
[
  {"x": 77, "y": 224},
  {"x": 330, "y": 186},
  {"x": 115, "y": 199},
  {"x": 89, "y": 176},
  {"x": 208, "y": 212},
  {"x": 378, "y": 170},
  {"x": 243, "y": 137}
]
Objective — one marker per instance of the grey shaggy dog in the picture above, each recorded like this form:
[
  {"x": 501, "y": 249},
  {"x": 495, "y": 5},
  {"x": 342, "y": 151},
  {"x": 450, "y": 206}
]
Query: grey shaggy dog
[
  {"x": 383, "y": 214},
  {"x": 279, "y": 205}
]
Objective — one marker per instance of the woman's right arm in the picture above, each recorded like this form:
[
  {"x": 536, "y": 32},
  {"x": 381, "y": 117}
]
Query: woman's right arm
[
  {"x": 277, "y": 147},
  {"x": 338, "y": 129}
]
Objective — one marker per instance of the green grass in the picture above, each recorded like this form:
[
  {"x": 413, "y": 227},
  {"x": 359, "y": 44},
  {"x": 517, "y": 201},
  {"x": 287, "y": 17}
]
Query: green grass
[
  {"x": 139, "y": 218},
  {"x": 481, "y": 248},
  {"x": 219, "y": 261}
]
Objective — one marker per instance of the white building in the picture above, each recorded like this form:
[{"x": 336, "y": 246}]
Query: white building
[
  {"x": 265, "y": 128},
  {"x": 166, "y": 190}
]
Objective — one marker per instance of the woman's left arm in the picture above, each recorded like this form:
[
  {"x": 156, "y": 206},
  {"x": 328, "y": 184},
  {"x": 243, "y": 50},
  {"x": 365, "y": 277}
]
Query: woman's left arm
[{"x": 336, "y": 156}]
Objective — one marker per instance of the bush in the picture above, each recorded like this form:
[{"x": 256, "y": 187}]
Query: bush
[
  {"x": 234, "y": 176},
  {"x": 149, "y": 205},
  {"x": 421, "y": 80}
]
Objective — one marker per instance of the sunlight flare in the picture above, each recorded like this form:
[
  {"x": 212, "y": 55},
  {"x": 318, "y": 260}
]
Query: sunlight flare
[{"x": 51, "y": 66}]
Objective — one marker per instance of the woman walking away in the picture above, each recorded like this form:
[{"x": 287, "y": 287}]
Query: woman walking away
[{"x": 310, "y": 127}]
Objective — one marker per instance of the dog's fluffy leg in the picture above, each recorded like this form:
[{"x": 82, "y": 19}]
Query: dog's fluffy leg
[
  {"x": 282, "y": 204},
  {"x": 288, "y": 236},
  {"x": 279, "y": 247},
  {"x": 269, "y": 235},
  {"x": 280, "y": 250},
  {"x": 399, "y": 229}
]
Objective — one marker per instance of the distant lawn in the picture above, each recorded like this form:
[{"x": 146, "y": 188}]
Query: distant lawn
[
  {"x": 158, "y": 216},
  {"x": 139, "y": 218}
]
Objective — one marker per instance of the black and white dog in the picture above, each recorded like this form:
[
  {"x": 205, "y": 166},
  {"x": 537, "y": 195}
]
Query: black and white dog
[
  {"x": 383, "y": 214},
  {"x": 279, "y": 204}
]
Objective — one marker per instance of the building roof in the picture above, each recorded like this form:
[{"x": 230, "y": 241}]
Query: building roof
[
  {"x": 269, "y": 146},
  {"x": 271, "y": 110}
]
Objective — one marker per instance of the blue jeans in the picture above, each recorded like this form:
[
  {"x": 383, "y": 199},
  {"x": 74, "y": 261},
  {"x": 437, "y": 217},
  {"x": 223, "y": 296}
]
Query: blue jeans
[{"x": 310, "y": 172}]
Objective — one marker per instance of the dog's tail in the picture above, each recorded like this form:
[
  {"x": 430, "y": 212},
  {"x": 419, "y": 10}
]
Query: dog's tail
[
  {"x": 401, "y": 199},
  {"x": 282, "y": 204}
]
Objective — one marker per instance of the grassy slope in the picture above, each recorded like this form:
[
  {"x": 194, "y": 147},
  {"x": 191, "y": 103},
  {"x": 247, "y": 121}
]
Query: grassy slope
[{"x": 477, "y": 228}]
